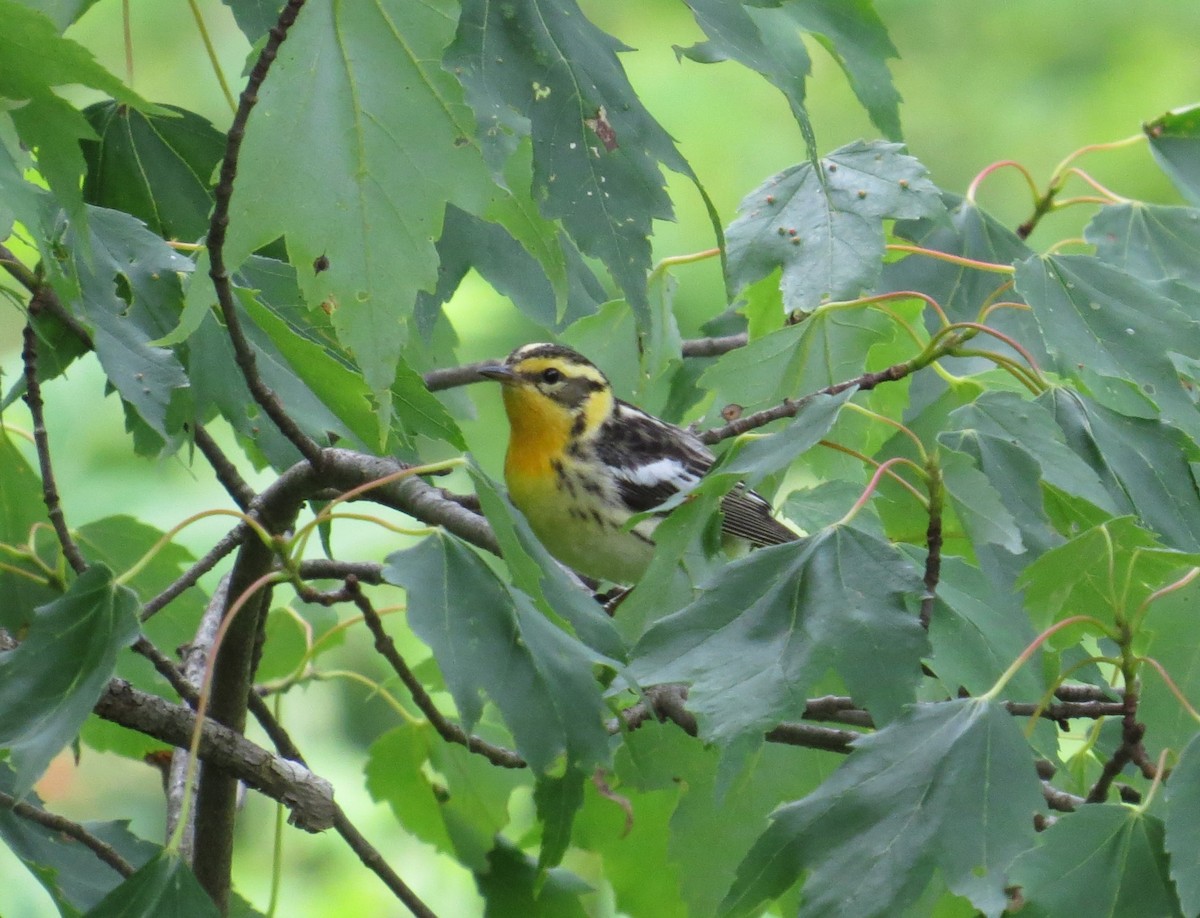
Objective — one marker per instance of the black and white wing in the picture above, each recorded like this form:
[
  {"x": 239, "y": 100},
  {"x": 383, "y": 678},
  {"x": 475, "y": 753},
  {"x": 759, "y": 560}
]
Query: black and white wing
[{"x": 653, "y": 461}]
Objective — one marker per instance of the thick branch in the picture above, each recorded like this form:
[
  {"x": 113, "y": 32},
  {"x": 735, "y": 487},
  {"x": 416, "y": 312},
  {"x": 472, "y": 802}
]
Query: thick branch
[
  {"x": 195, "y": 658},
  {"x": 64, "y": 826},
  {"x": 347, "y": 469},
  {"x": 242, "y": 349},
  {"x": 309, "y": 797}
]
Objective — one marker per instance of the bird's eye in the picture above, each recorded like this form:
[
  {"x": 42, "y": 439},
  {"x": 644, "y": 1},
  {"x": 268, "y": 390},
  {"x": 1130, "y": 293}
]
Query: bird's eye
[{"x": 551, "y": 375}]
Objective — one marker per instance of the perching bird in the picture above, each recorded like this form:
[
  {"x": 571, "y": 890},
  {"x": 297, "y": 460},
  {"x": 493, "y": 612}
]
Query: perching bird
[{"x": 581, "y": 462}]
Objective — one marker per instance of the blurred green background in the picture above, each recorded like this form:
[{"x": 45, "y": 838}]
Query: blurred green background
[{"x": 1025, "y": 80}]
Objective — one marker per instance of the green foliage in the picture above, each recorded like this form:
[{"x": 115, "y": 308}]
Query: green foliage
[
  {"x": 164, "y": 886},
  {"x": 43, "y": 706},
  {"x": 989, "y": 449}
]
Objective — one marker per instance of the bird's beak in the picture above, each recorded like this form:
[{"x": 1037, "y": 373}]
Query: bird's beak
[{"x": 499, "y": 373}]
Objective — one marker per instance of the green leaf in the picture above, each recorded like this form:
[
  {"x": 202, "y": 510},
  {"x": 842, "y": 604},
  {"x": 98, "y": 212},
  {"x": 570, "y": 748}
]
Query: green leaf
[
  {"x": 1170, "y": 627},
  {"x": 131, "y": 296},
  {"x": 1104, "y": 572},
  {"x": 603, "y": 827},
  {"x": 61, "y": 12},
  {"x": 947, "y": 786},
  {"x": 164, "y": 886},
  {"x": 513, "y": 884},
  {"x": 536, "y": 573},
  {"x": 736, "y": 814},
  {"x": 769, "y": 626},
  {"x": 1142, "y": 463},
  {"x": 1150, "y": 241},
  {"x": 459, "y": 805},
  {"x": 120, "y": 542},
  {"x": 755, "y": 455},
  {"x": 979, "y": 506},
  {"x": 21, "y": 507},
  {"x": 1183, "y": 826},
  {"x": 254, "y": 17},
  {"x": 1104, "y": 323},
  {"x": 756, "y": 38},
  {"x": 468, "y": 242},
  {"x": 72, "y": 874},
  {"x": 828, "y": 347},
  {"x": 49, "y": 684},
  {"x": 1100, "y": 860},
  {"x": 558, "y": 799},
  {"x": 1174, "y": 139},
  {"x": 309, "y": 365},
  {"x": 1003, "y": 426},
  {"x": 350, "y": 83},
  {"x": 37, "y": 60},
  {"x": 491, "y": 641},
  {"x": 541, "y": 68},
  {"x": 963, "y": 230},
  {"x": 977, "y": 631},
  {"x": 19, "y": 199},
  {"x": 155, "y": 167},
  {"x": 826, "y": 231},
  {"x": 856, "y": 37},
  {"x": 418, "y": 410}
]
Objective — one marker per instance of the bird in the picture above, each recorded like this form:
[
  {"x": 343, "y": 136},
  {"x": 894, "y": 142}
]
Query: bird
[{"x": 581, "y": 462}]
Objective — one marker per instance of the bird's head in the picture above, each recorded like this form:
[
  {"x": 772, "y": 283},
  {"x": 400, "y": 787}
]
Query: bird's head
[{"x": 552, "y": 391}]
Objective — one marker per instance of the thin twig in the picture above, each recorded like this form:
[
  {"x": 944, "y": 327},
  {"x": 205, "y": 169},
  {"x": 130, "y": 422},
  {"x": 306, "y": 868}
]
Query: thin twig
[
  {"x": 933, "y": 540},
  {"x": 447, "y": 730},
  {"x": 64, "y": 826},
  {"x": 20, "y": 272},
  {"x": 1061, "y": 800},
  {"x": 188, "y": 578},
  {"x": 185, "y": 686},
  {"x": 374, "y": 862},
  {"x": 713, "y": 347},
  {"x": 1129, "y": 750},
  {"x": 367, "y": 853},
  {"x": 33, "y": 398},
  {"x": 789, "y": 407},
  {"x": 219, "y": 223},
  {"x": 330, "y": 569},
  {"x": 452, "y": 377},
  {"x": 227, "y": 474}
]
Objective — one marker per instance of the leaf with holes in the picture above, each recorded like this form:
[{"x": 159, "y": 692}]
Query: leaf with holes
[
  {"x": 1110, "y": 330},
  {"x": 349, "y": 87},
  {"x": 541, "y": 68},
  {"x": 827, "y": 233},
  {"x": 1175, "y": 143}
]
